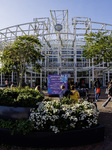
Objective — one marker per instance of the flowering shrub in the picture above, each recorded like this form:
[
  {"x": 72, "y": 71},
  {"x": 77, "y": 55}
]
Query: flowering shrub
[{"x": 56, "y": 116}]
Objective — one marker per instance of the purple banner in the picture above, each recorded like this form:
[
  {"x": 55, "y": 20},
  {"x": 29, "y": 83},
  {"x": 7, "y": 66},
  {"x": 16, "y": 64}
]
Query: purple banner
[{"x": 55, "y": 82}]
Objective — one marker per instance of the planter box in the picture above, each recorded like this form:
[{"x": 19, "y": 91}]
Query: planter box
[
  {"x": 7, "y": 112},
  {"x": 51, "y": 140}
]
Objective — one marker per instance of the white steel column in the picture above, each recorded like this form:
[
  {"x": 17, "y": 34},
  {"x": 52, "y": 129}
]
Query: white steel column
[
  {"x": 75, "y": 57},
  {"x": 108, "y": 76},
  {"x": 45, "y": 67},
  {"x": 12, "y": 77},
  {"x": 103, "y": 79},
  {"x": 1, "y": 78},
  {"x": 31, "y": 80},
  {"x": 25, "y": 77},
  {"x": 59, "y": 55},
  {"x": 41, "y": 79},
  {"x": 92, "y": 72},
  {"x": 75, "y": 63},
  {"x": 89, "y": 79},
  {"x": 89, "y": 76}
]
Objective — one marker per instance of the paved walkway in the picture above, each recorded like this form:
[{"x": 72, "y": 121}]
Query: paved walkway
[{"x": 105, "y": 118}]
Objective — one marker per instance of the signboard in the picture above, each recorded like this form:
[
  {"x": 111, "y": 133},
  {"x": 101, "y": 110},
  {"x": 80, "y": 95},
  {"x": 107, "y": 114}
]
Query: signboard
[{"x": 55, "y": 82}]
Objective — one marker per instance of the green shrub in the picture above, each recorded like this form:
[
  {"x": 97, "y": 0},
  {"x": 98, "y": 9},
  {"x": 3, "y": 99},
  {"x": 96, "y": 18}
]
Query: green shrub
[
  {"x": 22, "y": 126},
  {"x": 67, "y": 100},
  {"x": 8, "y": 96},
  {"x": 23, "y": 97}
]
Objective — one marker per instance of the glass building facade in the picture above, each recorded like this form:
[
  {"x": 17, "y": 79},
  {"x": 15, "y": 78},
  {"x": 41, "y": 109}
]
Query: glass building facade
[{"x": 62, "y": 52}]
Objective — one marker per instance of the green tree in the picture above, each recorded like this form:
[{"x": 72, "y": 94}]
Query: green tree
[
  {"x": 19, "y": 55},
  {"x": 98, "y": 46}
]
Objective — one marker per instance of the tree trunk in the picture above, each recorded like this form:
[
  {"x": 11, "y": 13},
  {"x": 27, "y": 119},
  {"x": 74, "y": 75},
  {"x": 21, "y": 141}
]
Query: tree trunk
[{"x": 21, "y": 76}]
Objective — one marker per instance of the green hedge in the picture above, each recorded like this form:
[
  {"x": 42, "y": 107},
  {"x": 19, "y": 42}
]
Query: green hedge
[{"x": 20, "y": 97}]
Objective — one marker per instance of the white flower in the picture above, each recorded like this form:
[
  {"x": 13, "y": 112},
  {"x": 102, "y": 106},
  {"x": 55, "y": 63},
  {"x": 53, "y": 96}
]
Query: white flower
[
  {"x": 51, "y": 113},
  {"x": 54, "y": 129}
]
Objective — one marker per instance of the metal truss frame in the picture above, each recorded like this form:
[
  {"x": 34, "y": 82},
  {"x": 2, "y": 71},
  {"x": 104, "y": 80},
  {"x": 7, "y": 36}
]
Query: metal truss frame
[{"x": 62, "y": 49}]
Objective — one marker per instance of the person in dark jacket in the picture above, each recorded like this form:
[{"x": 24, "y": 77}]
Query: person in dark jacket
[
  {"x": 62, "y": 93},
  {"x": 109, "y": 94},
  {"x": 65, "y": 92}
]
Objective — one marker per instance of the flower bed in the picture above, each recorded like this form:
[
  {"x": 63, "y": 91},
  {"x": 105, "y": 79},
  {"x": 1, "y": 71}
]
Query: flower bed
[
  {"x": 55, "y": 116},
  {"x": 52, "y": 122}
]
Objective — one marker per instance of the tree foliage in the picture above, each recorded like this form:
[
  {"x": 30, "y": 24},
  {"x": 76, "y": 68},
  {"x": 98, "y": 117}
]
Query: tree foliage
[
  {"x": 19, "y": 55},
  {"x": 98, "y": 46}
]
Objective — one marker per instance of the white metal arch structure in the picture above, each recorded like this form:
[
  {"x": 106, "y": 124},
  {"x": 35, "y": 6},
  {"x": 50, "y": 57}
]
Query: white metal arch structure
[{"x": 62, "y": 48}]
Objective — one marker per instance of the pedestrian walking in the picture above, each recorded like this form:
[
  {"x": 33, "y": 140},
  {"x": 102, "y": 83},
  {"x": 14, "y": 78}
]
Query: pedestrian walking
[
  {"x": 97, "y": 92},
  {"x": 109, "y": 94},
  {"x": 96, "y": 86}
]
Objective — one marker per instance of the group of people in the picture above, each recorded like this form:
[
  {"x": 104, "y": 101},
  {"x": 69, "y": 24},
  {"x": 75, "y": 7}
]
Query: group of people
[{"x": 71, "y": 93}]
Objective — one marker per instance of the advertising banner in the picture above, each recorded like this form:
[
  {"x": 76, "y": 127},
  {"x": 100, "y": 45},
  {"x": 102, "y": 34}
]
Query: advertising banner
[{"x": 55, "y": 82}]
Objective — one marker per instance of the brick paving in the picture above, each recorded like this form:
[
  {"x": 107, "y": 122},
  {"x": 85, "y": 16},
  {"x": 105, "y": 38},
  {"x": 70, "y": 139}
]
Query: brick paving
[{"x": 105, "y": 118}]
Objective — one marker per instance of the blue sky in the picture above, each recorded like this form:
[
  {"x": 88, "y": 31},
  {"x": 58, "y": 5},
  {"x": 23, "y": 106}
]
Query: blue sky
[{"x": 13, "y": 12}]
